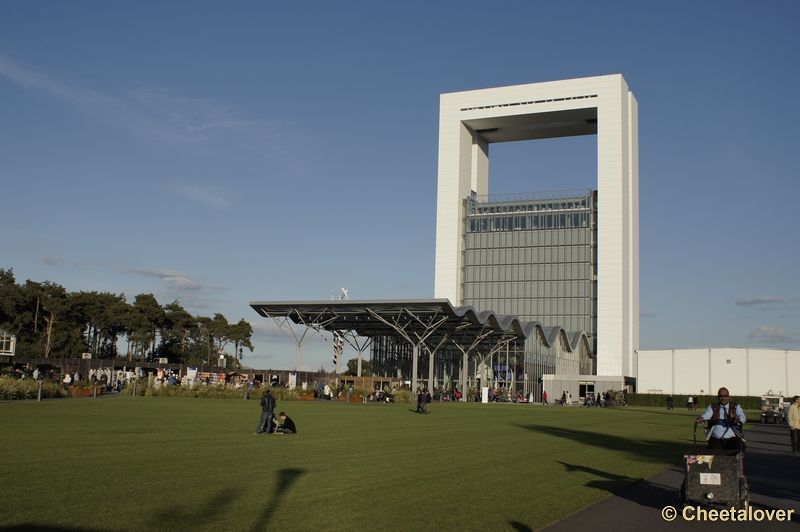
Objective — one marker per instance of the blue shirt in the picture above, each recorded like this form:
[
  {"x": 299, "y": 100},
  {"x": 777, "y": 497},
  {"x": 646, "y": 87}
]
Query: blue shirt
[{"x": 723, "y": 429}]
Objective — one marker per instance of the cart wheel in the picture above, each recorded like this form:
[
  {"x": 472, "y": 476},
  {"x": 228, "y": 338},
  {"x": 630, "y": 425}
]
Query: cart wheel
[{"x": 744, "y": 494}]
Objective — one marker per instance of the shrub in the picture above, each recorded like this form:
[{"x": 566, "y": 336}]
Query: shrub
[
  {"x": 402, "y": 396},
  {"x": 141, "y": 387},
  {"x": 503, "y": 395},
  {"x": 280, "y": 394},
  {"x": 362, "y": 392},
  {"x": 472, "y": 393},
  {"x": 202, "y": 391},
  {"x": 82, "y": 385},
  {"x": 16, "y": 389}
]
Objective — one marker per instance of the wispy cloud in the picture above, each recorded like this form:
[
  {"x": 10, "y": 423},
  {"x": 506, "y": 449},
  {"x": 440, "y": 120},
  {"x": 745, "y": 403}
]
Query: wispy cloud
[
  {"x": 770, "y": 335},
  {"x": 647, "y": 314},
  {"x": 268, "y": 330},
  {"x": 160, "y": 116},
  {"x": 764, "y": 300},
  {"x": 52, "y": 261},
  {"x": 202, "y": 196},
  {"x": 181, "y": 286}
]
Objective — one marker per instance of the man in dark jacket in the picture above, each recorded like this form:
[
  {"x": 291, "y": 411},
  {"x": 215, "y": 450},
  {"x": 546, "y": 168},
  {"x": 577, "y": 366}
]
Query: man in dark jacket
[
  {"x": 267, "y": 413},
  {"x": 288, "y": 426}
]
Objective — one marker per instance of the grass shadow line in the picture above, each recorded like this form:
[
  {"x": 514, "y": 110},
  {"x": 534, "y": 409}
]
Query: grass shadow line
[
  {"x": 647, "y": 450},
  {"x": 286, "y": 477}
]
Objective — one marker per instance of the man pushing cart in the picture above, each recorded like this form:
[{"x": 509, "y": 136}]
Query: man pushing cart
[{"x": 715, "y": 476}]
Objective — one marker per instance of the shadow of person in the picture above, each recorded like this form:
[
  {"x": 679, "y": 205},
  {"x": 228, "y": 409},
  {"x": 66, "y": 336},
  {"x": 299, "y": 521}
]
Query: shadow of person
[
  {"x": 189, "y": 517},
  {"x": 286, "y": 477},
  {"x": 520, "y": 527}
]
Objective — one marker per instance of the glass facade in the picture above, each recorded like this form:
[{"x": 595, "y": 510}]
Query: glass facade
[
  {"x": 534, "y": 257},
  {"x": 531, "y": 256}
]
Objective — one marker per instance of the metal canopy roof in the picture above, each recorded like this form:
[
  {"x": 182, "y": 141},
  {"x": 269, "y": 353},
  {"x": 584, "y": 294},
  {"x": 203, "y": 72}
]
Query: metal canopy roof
[{"x": 429, "y": 322}]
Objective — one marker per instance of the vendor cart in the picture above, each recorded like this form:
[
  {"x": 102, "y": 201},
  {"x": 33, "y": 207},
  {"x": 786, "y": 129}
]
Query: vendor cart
[{"x": 715, "y": 478}]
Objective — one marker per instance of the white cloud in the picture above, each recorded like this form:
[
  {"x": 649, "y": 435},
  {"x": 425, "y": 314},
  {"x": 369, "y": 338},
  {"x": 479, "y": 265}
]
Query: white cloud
[
  {"x": 765, "y": 300},
  {"x": 52, "y": 261},
  {"x": 181, "y": 286},
  {"x": 156, "y": 115},
  {"x": 771, "y": 335},
  {"x": 202, "y": 196},
  {"x": 266, "y": 329}
]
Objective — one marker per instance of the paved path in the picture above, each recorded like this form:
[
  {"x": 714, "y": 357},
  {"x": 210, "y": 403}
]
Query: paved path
[{"x": 772, "y": 472}]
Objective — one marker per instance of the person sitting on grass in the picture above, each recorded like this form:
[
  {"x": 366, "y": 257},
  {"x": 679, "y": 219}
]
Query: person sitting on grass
[{"x": 288, "y": 426}]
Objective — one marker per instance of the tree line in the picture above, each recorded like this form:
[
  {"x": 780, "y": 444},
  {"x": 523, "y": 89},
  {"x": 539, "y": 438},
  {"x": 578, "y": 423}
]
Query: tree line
[{"x": 50, "y": 322}]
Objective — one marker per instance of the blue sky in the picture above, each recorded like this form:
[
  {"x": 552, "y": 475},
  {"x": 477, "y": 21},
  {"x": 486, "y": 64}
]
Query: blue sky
[{"x": 222, "y": 153}]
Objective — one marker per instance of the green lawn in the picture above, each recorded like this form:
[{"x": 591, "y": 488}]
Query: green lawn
[{"x": 144, "y": 463}]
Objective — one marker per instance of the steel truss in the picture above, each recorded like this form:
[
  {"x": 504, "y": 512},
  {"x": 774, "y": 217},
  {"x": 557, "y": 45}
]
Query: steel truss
[{"x": 432, "y": 325}]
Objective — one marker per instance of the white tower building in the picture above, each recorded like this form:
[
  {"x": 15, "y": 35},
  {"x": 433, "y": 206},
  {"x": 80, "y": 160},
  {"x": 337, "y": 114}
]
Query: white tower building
[{"x": 472, "y": 120}]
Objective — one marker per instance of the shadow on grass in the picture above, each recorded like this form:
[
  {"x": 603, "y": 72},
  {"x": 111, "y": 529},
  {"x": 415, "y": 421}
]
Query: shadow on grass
[
  {"x": 643, "y": 450},
  {"x": 33, "y": 527},
  {"x": 520, "y": 527},
  {"x": 612, "y": 482},
  {"x": 188, "y": 518},
  {"x": 286, "y": 477},
  {"x": 643, "y": 492}
]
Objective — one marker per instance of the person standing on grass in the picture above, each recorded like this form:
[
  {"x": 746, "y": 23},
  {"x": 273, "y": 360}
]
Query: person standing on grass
[
  {"x": 267, "y": 413},
  {"x": 690, "y": 403},
  {"x": 544, "y": 398},
  {"x": 794, "y": 424}
]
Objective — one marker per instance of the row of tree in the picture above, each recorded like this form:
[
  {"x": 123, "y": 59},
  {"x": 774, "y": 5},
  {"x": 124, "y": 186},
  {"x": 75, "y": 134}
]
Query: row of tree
[{"x": 49, "y": 321}]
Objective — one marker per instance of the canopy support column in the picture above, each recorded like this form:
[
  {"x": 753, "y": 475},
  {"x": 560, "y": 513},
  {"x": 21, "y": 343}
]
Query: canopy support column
[{"x": 415, "y": 360}]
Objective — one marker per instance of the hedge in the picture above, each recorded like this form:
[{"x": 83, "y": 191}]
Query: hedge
[
  {"x": 201, "y": 391},
  {"x": 15, "y": 389},
  {"x": 660, "y": 399}
]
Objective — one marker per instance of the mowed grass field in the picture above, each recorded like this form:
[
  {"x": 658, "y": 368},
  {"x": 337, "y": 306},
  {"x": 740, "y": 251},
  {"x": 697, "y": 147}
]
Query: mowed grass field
[{"x": 144, "y": 463}]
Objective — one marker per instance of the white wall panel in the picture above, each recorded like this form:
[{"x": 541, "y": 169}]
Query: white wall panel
[
  {"x": 655, "y": 372},
  {"x": 703, "y": 371},
  {"x": 692, "y": 371},
  {"x": 729, "y": 370}
]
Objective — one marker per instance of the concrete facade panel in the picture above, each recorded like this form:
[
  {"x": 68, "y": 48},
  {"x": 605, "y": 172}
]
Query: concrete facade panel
[
  {"x": 656, "y": 372},
  {"x": 692, "y": 371},
  {"x": 769, "y": 367},
  {"x": 745, "y": 372}
]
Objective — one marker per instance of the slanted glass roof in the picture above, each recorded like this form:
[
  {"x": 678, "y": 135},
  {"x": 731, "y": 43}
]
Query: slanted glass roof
[{"x": 432, "y": 322}]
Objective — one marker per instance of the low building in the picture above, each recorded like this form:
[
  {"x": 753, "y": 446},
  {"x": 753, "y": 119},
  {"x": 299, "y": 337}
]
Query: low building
[{"x": 743, "y": 371}]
